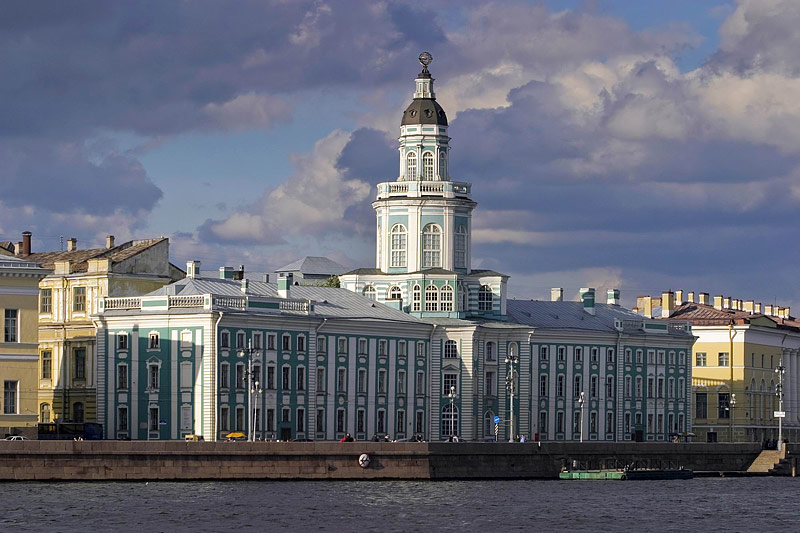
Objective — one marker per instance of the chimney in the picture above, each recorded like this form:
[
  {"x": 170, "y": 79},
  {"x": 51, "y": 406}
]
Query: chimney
[
  {"x": 556, "y": 294},
  {"x": 109, "y": 241},
  {"x": 612, "y": 297},
  {"x": 757, "y": 308},
  {"x": 18, "y": 248},
  {"x": 266, "y": 278},
  {"x": 587, "y": 297},
  {"x": 26, "y": 243},
  {"x": 726, "y": 302},
  {"x": 702, "y": 298},
  {"x": 768, "y": 310},
  {"x": 285, "y": 284},
  {"x": 238, "y": 275},
  {"x": 645, "y": 303},
  {"x": 678, "y": 297},
  {"x": 779, "y": 311},
  {"x": 193, "y": 269},
  {"x": 690, "y": 297},
  {"x": 245, "y": 286},
  {"x": 667, "y": 304},
  {"x": 72, "y": 244},
  {"x": 749, "y": 306},
  {"x": 787, "y": 312},
  {"x": 225, "y": 272},
  {"x": 718, "y": 301}
]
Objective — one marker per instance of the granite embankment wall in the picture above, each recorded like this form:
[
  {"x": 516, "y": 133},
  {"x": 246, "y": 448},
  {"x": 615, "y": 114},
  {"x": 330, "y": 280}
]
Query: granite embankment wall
[{"x": 119, "y": 460}]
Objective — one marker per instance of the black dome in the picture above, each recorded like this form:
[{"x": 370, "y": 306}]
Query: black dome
[{"x": 424, "y": 111}]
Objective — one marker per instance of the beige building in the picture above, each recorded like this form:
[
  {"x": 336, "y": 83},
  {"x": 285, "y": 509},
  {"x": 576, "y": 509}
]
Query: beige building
[
  {"x": 19, "y": 288},
  {"x": 742, "y": 347},
  {"x": 68, "y": 298}
]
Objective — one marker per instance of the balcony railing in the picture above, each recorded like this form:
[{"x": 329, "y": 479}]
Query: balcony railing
[
  {"x": 415, "y": 189},
  {"x": 209, "y": 302}
]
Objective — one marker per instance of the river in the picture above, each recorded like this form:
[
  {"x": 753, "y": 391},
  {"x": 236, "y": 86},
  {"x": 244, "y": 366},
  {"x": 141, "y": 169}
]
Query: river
[{"x": 729, "y": 504}]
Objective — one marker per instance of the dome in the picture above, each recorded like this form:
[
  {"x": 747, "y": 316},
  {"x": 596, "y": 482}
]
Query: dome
[{"x": 424, "y": 111}]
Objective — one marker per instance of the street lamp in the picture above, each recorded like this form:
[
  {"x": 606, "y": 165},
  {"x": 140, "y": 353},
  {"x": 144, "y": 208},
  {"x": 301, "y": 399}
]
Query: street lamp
[
  {"x": 731, "y": 405},
  {"x": 779, "y": 393},
  {"x": 452, "y": 397},
  {"x": 256, "y": 390},
  {"x": 581, "y": 401},
  {"x": 511, "y": 377},
  {"x": 252, "y": 386}
]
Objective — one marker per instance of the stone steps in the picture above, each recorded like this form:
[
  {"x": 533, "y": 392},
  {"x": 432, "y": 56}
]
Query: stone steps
[{"x": 771, "y": 462}]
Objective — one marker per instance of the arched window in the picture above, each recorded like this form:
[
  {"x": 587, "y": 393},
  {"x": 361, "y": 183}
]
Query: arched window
[
  {"x": 449, "y": 420},
  {"x": 394, "y": 293},
  {"x": 77, "y": 412},
  {"x": 485, "y": 298},
  {"x": 411, "y": 166},
  {"x": 431, "y": 298},
  {"x": 427, "y": 166},
  {"x": 416, "y": 297},
  {"x": 397, "y": 241},
  {"x": 369, "y": 292},
  {"x": 443, "y": 165},
  {"x": 460, "y": 247},
  {"x": 446, "y": 304},
  {"x": 44, "y": 413},
  {"x": 450, "y": 350},
  {"x": 488, "y": 424},
  {"x": 431, "y": 246}
]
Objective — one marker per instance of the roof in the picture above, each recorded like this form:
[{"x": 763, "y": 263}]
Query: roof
[
  {"x": 6, "y": 248},
  {"x": 329, "y": 301},
  {"x": 434, "y": 271},
  {"x": 708, "y": 315},
  {"x": 79, "y": 259},
  {"x": 424, "y": 111},
  {"x": 312, "y": 265},
  {"x": 566, "y": 315},
  {"x": 9, "y": 261}
]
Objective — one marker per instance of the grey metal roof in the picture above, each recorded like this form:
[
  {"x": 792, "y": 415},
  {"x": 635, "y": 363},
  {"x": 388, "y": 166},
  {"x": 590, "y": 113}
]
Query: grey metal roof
[
  {"x": 566, "y": 315},
  {"x": 314, "y": 265},
  {"x": 424, "y": 111},
  {"x": 329, "y": 301}
]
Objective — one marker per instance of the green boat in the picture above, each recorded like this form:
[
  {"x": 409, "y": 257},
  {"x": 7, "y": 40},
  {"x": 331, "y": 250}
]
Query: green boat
[{"x": 627, "y": 474}]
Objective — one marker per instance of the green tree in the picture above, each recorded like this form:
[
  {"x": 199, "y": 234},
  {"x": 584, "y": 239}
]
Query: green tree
[{"x": 332, "y": 281}]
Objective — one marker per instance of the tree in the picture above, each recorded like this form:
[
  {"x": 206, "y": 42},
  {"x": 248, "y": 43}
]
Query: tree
[{"x": 332, "y": 281}]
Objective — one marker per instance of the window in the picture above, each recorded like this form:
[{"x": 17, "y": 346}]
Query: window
[
  {"x": 416, "y": 296},
  {"x": 122, "y": 418},
  {"x": 638, "y": 387},
  {"x": 561, "y": 353},
  {"x": 593, "y": 386},
  {"x": 485, "y": 298},
  {"x": 460, "y": 247},
  {"x": 628, "y": 388},
  {"x": 382, "y": 381},
  {"x": 224, "y": 339},
  {"x": 576, "y": 387},
  {"x": 77, "y": 412},
  {"x": 680, "y": 386},
  {"x": 271, "y": 341},
  {"x": 361, "y": 385},
  {"x": 394, "y": 293},
  {"x": 491, "y": 355},
  {"x": 446, "y": 304},
  {"x": 401, "y": 421},
  {"x": 270, "y": 377},
  {"x": 270, "y": 419},
  {"x": 152, "y": 419},
  {"x": 79, "y": 355},
  {"x": 421, "y": 349},
  {"x": 224, "y": 376},
  {"x": 381, "y": 421},
  {"x": 285, "y": 414},
  {"x": 576, "y": 422},
  {"x": 47, "y": 364},
  {"x": 320, "y": 423},
  {"x": 11, "y": 324},
  {"x": 397, "y": 240},
  {"x": 628, "y": 355},
  {"x": 671, "y": 357},
  {"x": 431, "y": 298},
  {"x": 301, "y": 343},
  {"x": 419, "y": 424},
  {"x": 301, "y": 420},
  {"x": 682, "y": 358},
  {"x": 224, "y": 419},
  {"x": 239, "y": 423},
  {"x": 321, "y": 347},
  {"x": 420, "y": 383},
  {"x": 650, "y": 428},
  {"x": 660, "y": 387},
  {"x": 431, "y": 246},
  {"x": 340, "y": 420},
  {"x": 700, "y": 358},
  {"x": 362, "y": 346},
  {"x": 10, "y": 397},
  {"x": 543, "y": 353},
  {"x": 286, "y": 343},
  {"x": 361, "y": 416},
  {"x": 450, "y": 420},
  {"x": 341, "y": 380},
  {"x": 382, "y": 344},
  {"x": 153, "y": 376},
  {"x": 651, "y": 357},
  {"x": 401, "y": 382},
  {"x": 610, "y": 355},
  {"x": 241, "y": 376},
  {"x": 560, "y": 385},
  {"x": 301, "y": 378},
  {"x": 411, "y": 166},
  {"x": 320, "y": 379},
  {"x": 153, "y": 341},
  {"x": 542, "y": 421},
  {"x": 450, "y": 350},
  {"x": 370, "y": 292},
  {"x": 639, "y": 357},
  {"x": 578, "y": 354},
  {"x": 724, "y": 359},
  {"x": 46, "y": 301},
  {"x": 79, "y": 299},
  {"x": 449, "y": 382},
  {"x": 609, "y": 421},
  {"x": 427, "y": 166},
  {"x": 701, "y": 405},
  {"x": 401, "y": 348},
  {"x": 285, "y": 378},
  {"x": 627, "y": 428},
  {"x": 594, "y": 355},
  {"x": 650, "y": 388},
  {"x": 122, "y": 377},
  {"x": 122, "y": 341},
  {"x": 609, "y": 387},
  {"x": 559, "y": 422},
  {"x": 342, "y": 345},
  {"x": 490, "y": 384},
  {"x": 593, "y": 422},
  {"x": 257, "y": 341},
  {"x": 543, "y": 386},
  {"x": 724, "y": 405},
  {"x": 442, "y": 165}
]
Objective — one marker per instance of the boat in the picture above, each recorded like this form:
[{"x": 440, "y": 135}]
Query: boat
[{"x": 623, "y": 474}]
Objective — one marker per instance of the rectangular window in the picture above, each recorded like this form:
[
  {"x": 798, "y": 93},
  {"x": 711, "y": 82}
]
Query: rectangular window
[
  {"x": 594, "y": 355},
  {"x": 700, "y": 358},
  {"x": 341, "y": 380},
  {"x": 651, "y": 357},
  {"x": 256, "y": 374},
  {"x": 270, "y": 419},
  {"x": 659, "y": 423},
  {"x": 301, "y": 378},
  {"x": 240, "y": 376},
  {"x": 610, "y": 355},
  {"x": 122, "y": 419},
  {"x": 224, "y": 339},
  {"x": 627, "y": 386},
  {"x": 449, "y": 384},
  {"x": 419, "y": 424},
  {"x": 627, "y": 427},
  {"x": 79, "y": 300},
  {"x": 660, "y": 387},
  {"x": 543, "y": 353},
  {"x": 362, "y": 346},
  {"x": 154, "y": 377},
  {"x": 285, "y": 378},
  {"x": 287, "y": 343},
  {"x": 154, "y": 342},
  {"x": 638, "y": 357},
  {"x": 79, "y": 355},
  {"x": 301, "y": 344},
  {"x": 638, "y": 386},
  {"x": 271, "y": 377},
  {"x": 153, "y": 419},
  {"x": 559, "y": 422},
  {"x": 11, "y": 325},
  {"x": 724, "y": 405},
  {"x": 47, "y": 364},
  {"x": 578, "y": 354},
  {"x": 320, "y": 379},
  {"x": 240, "y": 337},
  {"x": 560, "y": 380},
  {"x": 650, "y": 423},
  {"x": 593, "y": 386},
  {"x": 629, "y": 355},
  {"x": 382, "y": 347},
  {"x": 257, "y": 341},
  {"x": 361, "y": 417},
  {"x": 421, "y": 349},
  {"x": 401, "y": 348},
  {"x": 340, "y": 420},
  {"x": 543, "y": 422},
  {"x": 321, "y": 347},
  {"x": 301, "y": 420},
  {"x": 271, "y": 341},
  {"x": 420, "y": 383},
  {"x": 609, "y": 422},
  {"x": 320, "y": 425},
  {"x": 122, "y": 377},
  {"x": 224, "y": 419},
  {"x": 576, "y": 422},
  {"x": 401, "y": 382},
  {"x": 701, "y": 405},
  {"x": 650, "y": 388},
  {"x": 10, "y": 397},
  {"x": 490, "y": 383},
  {"x": 224, "y": 376},
  {"x": 381, "y": 381},
  {"x": 593, "y": 422},
  {"x": 46, "y": 301},
  {"x": 609, "y": 387},
  {"x": 543, "y": 386},
  {"x": 724, "y": 359},
  {"x": 285, "y": 414},
  {"x": 671, "y": 388},
  {"x": 661, "y": 359},
  {"x": 342, "y": 346},
  {"x": 239, "y": 426},
  {"x": 361, "y": 386},
  {"x": 381, "y": 421},
  {"x": 401, "y": 421},
  {"x": 561, "y": 353},
  {"x": 122, "y": 341}
]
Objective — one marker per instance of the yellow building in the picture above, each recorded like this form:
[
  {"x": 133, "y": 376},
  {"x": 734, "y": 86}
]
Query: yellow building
[
  {"x": 68, "y": 298},
  {"x": 19, "y": 288},
  {"x": 741, "y": 351}
]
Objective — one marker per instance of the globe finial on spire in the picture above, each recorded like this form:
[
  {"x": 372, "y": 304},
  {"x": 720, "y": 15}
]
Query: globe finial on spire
[{"x": 425, "y": 59}]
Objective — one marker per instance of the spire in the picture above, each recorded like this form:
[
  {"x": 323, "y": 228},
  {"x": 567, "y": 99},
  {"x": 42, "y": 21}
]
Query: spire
[{"x": 424, "y": 80}]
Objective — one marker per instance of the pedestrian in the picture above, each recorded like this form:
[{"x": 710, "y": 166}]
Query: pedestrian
[
  {"x": 347, "y": 438},
  {"x": 523, "y": 438}
]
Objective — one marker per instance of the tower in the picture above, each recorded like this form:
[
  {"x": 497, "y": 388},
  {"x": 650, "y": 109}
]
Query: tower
[{"x": 424, "y": 225}]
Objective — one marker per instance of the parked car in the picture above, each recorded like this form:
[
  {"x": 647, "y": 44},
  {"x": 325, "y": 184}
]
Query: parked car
[{"x": 17, "y": 437}]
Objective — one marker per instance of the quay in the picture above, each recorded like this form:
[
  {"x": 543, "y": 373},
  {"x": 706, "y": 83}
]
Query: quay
[{"x": 175, "y": 460}]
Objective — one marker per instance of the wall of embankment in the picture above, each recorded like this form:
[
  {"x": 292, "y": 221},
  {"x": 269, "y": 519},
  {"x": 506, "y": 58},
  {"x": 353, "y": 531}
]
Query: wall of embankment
[{"x": 132, "y": 460}]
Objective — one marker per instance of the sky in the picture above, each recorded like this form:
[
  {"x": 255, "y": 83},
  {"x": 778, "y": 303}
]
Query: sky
[{"x": 646, "y": 146}]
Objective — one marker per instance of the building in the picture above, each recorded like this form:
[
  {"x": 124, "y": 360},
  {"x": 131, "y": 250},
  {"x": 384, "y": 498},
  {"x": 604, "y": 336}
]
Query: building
[
  {"x": 68, "y": 296},
  {"x": 19, "y": 354},
  {"x": 311, "y": 270},
  {"x": 741, "y": 346},
  {"x": 422, "y": 343}
]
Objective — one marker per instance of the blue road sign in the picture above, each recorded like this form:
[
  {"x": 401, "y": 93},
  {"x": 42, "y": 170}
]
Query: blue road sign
[{"x": 497, "y": 420}]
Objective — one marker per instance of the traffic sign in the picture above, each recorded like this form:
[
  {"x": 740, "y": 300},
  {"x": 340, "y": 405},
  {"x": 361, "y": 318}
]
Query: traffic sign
[
  {"x": 779, "y": 414},
  {"x": 497, "y": 420}
]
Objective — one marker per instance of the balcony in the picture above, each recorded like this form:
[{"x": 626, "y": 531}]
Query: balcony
[
  {"x": 417, "y": 189},
  {"x": 209, "y": 302}
]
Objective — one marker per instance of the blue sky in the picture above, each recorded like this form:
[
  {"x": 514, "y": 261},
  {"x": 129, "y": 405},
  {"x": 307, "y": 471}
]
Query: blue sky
[{"x": 641, "y": 145}]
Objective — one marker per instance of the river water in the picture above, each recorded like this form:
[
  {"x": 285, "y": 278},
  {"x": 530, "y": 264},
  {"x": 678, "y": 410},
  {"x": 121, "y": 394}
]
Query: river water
[{"x": 711, "y": 504}]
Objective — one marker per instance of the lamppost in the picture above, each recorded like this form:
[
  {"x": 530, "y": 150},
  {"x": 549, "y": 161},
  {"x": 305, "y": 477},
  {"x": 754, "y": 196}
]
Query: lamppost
[
  {"x": 511, "y": 377},
  {"x": 252, "y": 386},
  {"x": 255, "y": 390},
  {"x": 452, "y": 397},
  {"x": 731, "y": 405},
  {"x": 581, "y": 401},
  {"x": 779, "y": 393}
]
